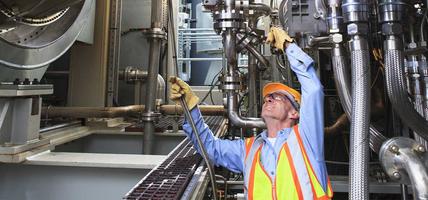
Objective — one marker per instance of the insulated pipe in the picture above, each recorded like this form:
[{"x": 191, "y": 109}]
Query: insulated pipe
[
  {"x": 123, "y": 111},
  {"x": 356, "y": 16},
  {"x": 154, "y": 58}
]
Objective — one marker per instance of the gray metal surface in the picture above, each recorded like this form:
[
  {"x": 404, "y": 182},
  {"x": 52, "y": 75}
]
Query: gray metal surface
[
  {"x": 404, "y": 160},
  {"x": 25, "y": 90},
  {"x": 359, "y": 141},
  {"x": 355, "y": 13},
  {"x": 33, "y": 182},
  {"x": 114, "y": 52},
  {"x": 30, "y": 47},
  {"x": 299, "y": 16},
  {"x": 397, "y": 90}
]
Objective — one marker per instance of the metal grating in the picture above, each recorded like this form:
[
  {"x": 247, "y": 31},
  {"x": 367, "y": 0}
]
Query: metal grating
[{"x": 170, "y": 179}]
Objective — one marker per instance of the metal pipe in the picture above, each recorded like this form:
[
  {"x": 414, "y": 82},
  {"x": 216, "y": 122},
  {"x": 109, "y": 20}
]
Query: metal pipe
[
  {"x": 58, "y": 126},
  {"x": 342, "y": 72},
  {"x": 154, "y": 59},
  {"x": 265, "y": 9},
  {"x": 404, "y": 161},
  {"x": 343, "y": 85},
  {"x": 123, "y": 111},
  {"x": 230, "y": 49},
  {"x": 360, "y": 62},
  {"x": 258, "y": 56},
  {"x": 236, "y": 119},
  {"x": 391, "y": 14},
  {"x": 356, "y": 16},
  {"x": 397, "y": 90},
  {"x": 252, "y": 86}
]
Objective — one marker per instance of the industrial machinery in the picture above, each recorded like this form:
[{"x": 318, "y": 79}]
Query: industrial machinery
[{"x": 115, "y": 135}]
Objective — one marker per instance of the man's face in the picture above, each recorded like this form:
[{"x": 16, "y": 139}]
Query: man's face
[{"x": 276, "y": 106}]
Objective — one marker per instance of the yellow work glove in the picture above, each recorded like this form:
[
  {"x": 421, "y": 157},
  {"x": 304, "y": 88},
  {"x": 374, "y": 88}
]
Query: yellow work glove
[
  {"x": 180, "y": 88},
  {"x": 278, "y": 37}
]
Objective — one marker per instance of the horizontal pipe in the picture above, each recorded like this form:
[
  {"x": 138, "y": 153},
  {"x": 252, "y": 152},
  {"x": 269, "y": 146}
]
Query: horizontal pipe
[
  {"x": 58, "y": 126},
  {"x": 123, "y": 111}
]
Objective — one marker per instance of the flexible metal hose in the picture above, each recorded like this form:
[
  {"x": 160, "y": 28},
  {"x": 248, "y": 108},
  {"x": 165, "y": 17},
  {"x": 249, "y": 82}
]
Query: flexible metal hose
[
  {"x": 358, "y": 171},
  {"x": 201, "y": 146},
  {"x": 397, "y": 90},
  {"x": 343, "y": 85}
]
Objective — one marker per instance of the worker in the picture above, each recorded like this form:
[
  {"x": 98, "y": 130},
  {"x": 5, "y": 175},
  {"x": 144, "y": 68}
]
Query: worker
[{"x": 285, "y": 161}]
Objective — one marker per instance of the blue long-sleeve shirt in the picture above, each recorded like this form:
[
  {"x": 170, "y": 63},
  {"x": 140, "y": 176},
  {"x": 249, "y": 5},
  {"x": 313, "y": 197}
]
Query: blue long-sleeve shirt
[{"x": 231, "y": 153}]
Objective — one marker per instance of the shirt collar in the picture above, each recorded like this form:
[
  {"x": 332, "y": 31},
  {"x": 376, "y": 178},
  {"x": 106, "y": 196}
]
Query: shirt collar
[{"x": 282, "y": 133}]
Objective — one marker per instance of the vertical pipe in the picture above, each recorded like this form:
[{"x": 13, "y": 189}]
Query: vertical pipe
[
  {"x": 154, "y": 58},
  {"x": 356, "y": 16},
  {"x": 252, "y": 79},
  {"x": 358, "y": 170}
]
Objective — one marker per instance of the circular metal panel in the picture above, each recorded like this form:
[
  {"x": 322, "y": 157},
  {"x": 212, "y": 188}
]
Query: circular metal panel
[{"x": 31, "y": 47}]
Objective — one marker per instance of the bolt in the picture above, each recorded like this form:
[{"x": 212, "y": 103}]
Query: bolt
[
  {"x": 17, "y": 81},
  {"x": 26, "y": 81},
  {"x": 394, "y": 149},
  {"x": 420, "y": 149},
  {"x": 316, "y": 16},
  {"x": 396, "y": 175}
]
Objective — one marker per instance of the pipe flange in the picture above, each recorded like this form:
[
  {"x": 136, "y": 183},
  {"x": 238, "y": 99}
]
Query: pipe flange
[
  {"x": 228, "y": 16},
  {"x": 155, "y": 33},
  {"x": 355, "y": 11},
  {"x": 221, "y": 25},
  {"x": 150, "y": 116},
  {"x": 391, "y": 11},
  {"x": 232, "y": 87},
  {"x": 232, "y": 83},
  {"x": 132, "y": 74},
  {"x": 232, "y": 79},
  {"x": 392, "y": 156}
]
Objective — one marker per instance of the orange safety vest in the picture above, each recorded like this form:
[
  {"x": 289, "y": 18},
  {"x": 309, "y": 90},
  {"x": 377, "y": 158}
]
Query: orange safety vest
[{"x": 289, "y": 182}]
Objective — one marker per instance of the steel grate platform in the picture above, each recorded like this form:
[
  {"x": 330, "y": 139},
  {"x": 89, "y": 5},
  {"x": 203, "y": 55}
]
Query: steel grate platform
[{"x": 170, "y": 179}]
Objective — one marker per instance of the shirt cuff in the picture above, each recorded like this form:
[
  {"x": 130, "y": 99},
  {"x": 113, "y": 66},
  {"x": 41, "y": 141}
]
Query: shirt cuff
[{"x": 295, "y": 53}]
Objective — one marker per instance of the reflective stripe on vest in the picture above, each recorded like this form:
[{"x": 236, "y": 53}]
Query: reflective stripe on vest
[{"x": 289, "y": 182}]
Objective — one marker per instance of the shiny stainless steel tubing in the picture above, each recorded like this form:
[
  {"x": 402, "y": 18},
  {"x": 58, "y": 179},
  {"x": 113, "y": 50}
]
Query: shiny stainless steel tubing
[
  {"x": 359, "y": 148},
  {"x": 154, "y": 58},
  {"x": 229, "y": 46},
  {"x": 236, "y": 119},
  {"x": 418, "y": 175},
  {"x": 261, "y": 7},
  {"x": 252, "y": 86},
  {"x": 123, "y": 111},
  {"x": 404, "y": 160},
  {"x": 396, "y": 87},
  {"x": 201, "y": 146},
  {"x": 342, "y": 79},
  {"x": 258, "y": 56}
]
